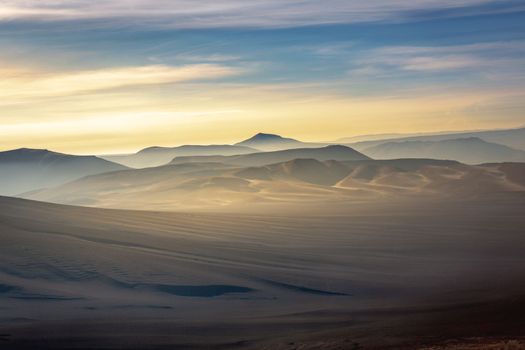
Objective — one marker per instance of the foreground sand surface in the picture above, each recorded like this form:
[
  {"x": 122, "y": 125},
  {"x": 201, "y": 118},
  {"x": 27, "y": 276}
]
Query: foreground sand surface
[{"x": 405, "y": 275}]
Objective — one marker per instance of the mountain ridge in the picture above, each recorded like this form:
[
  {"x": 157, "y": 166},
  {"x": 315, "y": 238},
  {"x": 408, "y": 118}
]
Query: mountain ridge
[
  {"x": 470, "y": 150},
  {"x": 27, "y": 169},
  {"x": 514, "y": 138},
  {"x": 332, "y": 152},
  {"x": 157, "y": 155}
]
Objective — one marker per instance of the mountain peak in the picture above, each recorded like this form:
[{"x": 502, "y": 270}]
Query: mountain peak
[
  {"x": 24, "y": 153},
  {"x": 263, "y": 134},
  {"x": 268, "y": 140},
  {"x": 29, "y": 150},
  {"x": 338, "y": 147},
  {"x": 267, "y": 137}
]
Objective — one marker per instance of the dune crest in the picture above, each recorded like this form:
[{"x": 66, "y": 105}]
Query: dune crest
[{"x": 219, "y": 186}]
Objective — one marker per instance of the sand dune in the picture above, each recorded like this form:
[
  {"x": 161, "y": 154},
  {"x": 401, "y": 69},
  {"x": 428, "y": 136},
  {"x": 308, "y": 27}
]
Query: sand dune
[
  {"x": 160, "y": 280},
  {"x": 302, "y": 253},
  {"x": 514, "y": 172},
  {"x": 217, "y": 186}
]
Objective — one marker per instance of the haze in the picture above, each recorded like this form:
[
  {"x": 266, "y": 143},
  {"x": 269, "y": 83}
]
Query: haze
[{"x": 256, "y": 175}]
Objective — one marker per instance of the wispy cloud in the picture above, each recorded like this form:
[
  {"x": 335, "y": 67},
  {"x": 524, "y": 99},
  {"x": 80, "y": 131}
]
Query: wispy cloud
[
  {"x": 207, "y": 58},
  {"x": 143, "y": 119},
  {"x": 239, "y": 13},
  {"x": 427, "y": 59},
  {"x": 433, "y": 63},
  {"x": 18, "y": 84},
  {"x": 70, "y": 78}
]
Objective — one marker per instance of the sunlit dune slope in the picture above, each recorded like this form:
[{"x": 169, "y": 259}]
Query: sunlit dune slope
[{"x": 218, "y": 186}]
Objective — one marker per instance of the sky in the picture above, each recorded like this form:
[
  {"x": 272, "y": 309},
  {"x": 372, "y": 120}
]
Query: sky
[{"x": 105, "y": 77}]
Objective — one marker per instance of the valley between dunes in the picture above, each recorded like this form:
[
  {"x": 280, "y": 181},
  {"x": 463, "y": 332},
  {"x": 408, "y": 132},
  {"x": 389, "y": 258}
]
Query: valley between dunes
[{"x": 381, "y": 275}]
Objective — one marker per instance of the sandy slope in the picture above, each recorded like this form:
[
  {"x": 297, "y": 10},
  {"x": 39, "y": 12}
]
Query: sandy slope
[
  {"x": 299, "y": 182},
  {"x": 97, "y": 277}
]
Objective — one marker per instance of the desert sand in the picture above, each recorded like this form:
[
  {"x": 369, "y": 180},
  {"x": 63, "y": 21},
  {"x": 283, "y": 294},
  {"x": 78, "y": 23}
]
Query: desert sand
[
  {"x": 383, "y": 275},
  {"x": 286, "y": 186}
]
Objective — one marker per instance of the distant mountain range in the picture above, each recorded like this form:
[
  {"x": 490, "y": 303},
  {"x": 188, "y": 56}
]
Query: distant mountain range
[
  {"x": 376, "y": 137},
  {"x": 470, "y": 150},
  {"x": 24, "y": 169},
  {"x": 334, "y": 152},
  {"x": 474, "y": 147},
  {"x": 155, "y": 156},
  {"x": 514, "y": 138}
]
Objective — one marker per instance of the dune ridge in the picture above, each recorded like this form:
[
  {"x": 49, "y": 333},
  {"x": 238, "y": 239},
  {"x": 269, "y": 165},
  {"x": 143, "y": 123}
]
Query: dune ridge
[{"x": 298, "y": 182}]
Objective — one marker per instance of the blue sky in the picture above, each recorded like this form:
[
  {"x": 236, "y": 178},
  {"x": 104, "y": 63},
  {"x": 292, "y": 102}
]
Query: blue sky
[{"x": 266, "y": 65}]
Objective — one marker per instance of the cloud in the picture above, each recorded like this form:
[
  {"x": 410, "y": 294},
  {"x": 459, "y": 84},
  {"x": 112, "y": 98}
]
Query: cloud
[
  {"x": 207, "y": 58},
  {"x": 139, "y": 119},
  {"x": 19, "y": 85},
  {"x": 498, "y": 46},
  {"x": 435, "y": 63},
  {"x": 240, "y": 13},
  {"x": 478, "y": 58}
]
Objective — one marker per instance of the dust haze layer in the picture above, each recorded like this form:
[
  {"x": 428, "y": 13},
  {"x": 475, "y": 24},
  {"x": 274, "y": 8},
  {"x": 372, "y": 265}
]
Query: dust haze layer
[
  {"x": 24, "y": 170},
  {"x": 213, "y": 186},
  {"x": 155, "y": 156},
  {"x": 513, "y": 138},
  {"x": 471, "y": 150}
]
